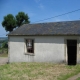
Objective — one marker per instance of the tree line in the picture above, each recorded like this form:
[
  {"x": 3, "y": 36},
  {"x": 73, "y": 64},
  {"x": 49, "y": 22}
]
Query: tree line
[{"x": 11, "y": 22}]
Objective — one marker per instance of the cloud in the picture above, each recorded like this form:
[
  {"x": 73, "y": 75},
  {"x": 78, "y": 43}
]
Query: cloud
[
  {"x": 37, "y": 1},
  {"x": 40, "y": 5},
  {"x": 32, "y": 14}
]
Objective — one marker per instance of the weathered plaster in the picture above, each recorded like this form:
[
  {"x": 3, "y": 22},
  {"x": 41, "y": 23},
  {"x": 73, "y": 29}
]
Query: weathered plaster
[{"x": 46, "y": 49}]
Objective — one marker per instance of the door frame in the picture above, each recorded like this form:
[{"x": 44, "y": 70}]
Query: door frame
[{"x": 65, "y": 49}]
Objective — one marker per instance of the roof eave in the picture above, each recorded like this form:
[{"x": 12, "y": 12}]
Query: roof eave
[{"x": 46, "y": 35}]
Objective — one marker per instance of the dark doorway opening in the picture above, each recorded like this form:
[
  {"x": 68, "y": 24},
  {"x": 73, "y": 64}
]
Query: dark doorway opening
[{"x": 72, "y": 51}]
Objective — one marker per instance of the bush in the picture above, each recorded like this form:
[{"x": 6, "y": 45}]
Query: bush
[{"x": 4, "y": 45}]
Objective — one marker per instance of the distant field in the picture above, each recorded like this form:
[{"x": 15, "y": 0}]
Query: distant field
[{"x": 37, "y": 71}]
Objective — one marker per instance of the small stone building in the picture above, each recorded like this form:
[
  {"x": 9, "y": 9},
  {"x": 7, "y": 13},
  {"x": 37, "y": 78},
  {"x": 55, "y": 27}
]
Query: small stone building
[{"x": 57, "y": 42}]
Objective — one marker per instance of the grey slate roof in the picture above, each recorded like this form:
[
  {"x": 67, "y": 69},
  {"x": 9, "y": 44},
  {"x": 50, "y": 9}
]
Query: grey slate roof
[{"x": 51, "y": 28}]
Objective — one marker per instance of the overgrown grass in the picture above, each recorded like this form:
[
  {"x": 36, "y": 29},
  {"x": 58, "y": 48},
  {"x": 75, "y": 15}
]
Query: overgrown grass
[
  {"x": 37, "y": 71},
  {"x": 3, "y": 52},
  {"x": 78, "y": 78},
  {"x": 74, "y": 70}
]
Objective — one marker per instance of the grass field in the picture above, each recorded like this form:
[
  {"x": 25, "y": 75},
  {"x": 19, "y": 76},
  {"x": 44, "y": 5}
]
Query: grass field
[
  {"x": 78, "y": 78},
  {"x": 37, "y": 71},
  {"x": 3, "y": 52},
  {"x": 4, "y": 55}
]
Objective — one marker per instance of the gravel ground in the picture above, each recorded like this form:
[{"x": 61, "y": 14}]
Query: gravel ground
[{"x": 3, "y": 60}]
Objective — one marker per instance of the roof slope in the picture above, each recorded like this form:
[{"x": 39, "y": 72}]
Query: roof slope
[{"x": 52, "y": 28}]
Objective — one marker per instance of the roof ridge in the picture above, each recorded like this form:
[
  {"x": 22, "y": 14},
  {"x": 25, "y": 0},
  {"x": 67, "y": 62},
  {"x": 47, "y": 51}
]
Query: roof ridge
[{"x": 56, "y": 22}]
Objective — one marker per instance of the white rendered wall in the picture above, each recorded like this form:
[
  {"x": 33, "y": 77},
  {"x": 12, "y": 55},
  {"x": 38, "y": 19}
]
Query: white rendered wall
[{"x": 46, "y": 49}]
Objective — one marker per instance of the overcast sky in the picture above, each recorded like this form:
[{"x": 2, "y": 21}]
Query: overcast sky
[{"x": 39, "y": 10}]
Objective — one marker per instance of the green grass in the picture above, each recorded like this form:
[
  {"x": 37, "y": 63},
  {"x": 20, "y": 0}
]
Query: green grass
[
  {"x": 78, "y": 78},
  {"x": 4, "y": 55},
  {"x": 75, "y": 70},
  {"x": 37, "y": 71},
  {"x": 3, "y": 52}
]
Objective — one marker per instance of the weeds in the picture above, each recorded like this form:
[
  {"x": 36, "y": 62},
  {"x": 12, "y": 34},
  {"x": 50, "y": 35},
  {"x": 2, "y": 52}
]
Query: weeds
[{"x": 37, "y": 71}]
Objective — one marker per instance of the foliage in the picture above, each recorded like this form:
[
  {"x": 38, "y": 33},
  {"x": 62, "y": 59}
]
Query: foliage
[
  {"x": 22, "y": 18},
  {"x": 9, "y": 22},
  {"x": 3, "y": 52},
  {"x": 5, "y": 44}
]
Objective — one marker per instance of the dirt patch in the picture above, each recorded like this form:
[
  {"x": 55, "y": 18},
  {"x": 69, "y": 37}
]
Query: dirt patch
[
  {"x": 74, "y": 77},
  {"x": 3, "y": 60}
]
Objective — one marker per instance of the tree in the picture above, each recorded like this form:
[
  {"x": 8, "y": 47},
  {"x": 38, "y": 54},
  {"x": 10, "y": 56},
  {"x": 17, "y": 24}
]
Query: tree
[
  {"x": 22, "y": 18},
  {"x": 9, "y": 22}
]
